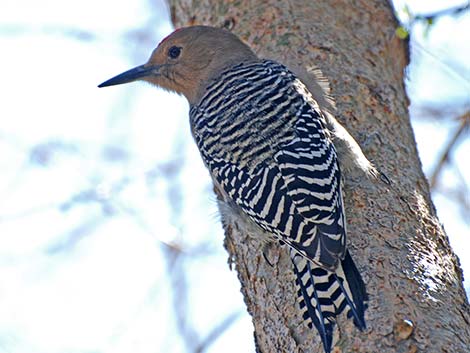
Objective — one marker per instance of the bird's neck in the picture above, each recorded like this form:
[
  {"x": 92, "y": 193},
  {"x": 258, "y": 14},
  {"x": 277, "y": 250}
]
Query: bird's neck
[{"x": 215, "y": 70}]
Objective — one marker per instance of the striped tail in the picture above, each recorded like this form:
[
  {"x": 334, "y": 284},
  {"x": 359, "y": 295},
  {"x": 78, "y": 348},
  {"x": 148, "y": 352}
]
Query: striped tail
[{"x": 323, "y": 295}]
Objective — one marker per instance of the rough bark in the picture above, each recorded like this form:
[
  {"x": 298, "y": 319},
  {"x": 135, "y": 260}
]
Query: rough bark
[{"x": 417, "y": 302}]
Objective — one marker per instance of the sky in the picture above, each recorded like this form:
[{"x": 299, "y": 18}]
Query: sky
[{"x": 92, "y": 201}]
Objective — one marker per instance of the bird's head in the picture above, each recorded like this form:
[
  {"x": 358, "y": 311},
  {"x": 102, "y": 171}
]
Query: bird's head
[{"x": 187, "y": 60}]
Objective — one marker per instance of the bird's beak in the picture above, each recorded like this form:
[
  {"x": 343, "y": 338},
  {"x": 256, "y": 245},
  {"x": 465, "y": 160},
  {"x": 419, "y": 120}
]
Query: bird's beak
[{"x": 131, "y": 75}]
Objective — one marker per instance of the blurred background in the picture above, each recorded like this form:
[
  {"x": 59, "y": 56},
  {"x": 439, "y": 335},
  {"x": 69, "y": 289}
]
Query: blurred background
[{"x": 109, "y": 236}]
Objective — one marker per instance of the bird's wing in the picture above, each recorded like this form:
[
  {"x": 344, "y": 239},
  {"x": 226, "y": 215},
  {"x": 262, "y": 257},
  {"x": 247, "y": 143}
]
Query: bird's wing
[
  {"x": 298, "y": 198},
  {"x": 289, "y": 182},
  {"x": 310, "y": 170}
]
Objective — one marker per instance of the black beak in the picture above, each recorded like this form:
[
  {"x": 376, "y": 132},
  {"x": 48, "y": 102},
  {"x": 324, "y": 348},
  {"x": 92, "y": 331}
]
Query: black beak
[{"x": 131, "y": 75}]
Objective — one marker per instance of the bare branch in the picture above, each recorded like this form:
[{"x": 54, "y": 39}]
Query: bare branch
[
  {"x": 451, "y": 11},
  {"x": 444, "y": 158},
  {"x": 450, "y": 110},
  {"x": 217, "y": 331},
  {"x": 73, "y": 236}
]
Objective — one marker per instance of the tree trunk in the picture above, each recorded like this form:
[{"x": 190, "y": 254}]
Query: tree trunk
[{"x": 417, "y": 302}]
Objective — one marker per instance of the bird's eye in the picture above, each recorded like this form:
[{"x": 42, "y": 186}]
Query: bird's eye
[{"x": 174, "y": 52}]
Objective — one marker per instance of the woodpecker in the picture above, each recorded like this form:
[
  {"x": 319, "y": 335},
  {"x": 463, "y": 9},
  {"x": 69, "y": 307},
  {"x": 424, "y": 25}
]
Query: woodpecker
[{"x": 268, "y": 146}]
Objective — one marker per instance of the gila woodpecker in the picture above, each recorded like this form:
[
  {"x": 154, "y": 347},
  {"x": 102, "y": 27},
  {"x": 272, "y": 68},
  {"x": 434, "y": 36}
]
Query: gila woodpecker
[{"x": 268, "y": 147}]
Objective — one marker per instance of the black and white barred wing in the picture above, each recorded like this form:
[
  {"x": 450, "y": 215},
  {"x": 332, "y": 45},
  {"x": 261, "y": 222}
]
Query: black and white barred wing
[
  {"x": 311, "y": 175},
  {"x": 298, "y": 197},
  {"x": 263, "y": 139},
  {"x": 274, "y": 199}
]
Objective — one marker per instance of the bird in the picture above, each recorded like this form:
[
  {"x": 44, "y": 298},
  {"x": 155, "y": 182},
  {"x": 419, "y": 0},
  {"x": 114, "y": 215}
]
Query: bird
[{"x": 268, "y": 146}]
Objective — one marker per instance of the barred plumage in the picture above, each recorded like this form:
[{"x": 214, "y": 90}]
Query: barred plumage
[
  {"x": 267, "y": 147},
  {"x": 324, "y": 294},
  {"x": 264, "y": 139}
]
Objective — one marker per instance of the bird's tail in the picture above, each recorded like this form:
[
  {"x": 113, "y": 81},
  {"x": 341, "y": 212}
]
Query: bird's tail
[{"x": 323, "y": 295}]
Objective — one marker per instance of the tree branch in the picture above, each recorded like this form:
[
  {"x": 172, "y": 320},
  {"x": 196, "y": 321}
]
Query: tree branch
[{"x": 444, "y": 158}]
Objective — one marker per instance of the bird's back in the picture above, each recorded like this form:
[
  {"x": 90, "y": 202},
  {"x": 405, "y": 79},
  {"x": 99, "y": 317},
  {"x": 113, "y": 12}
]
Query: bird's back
[
  {"x": 263, "y": 138},
  {"x": 249, "y": 112}
]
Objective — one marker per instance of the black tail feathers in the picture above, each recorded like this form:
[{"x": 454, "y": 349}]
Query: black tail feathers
[{"x": 323, "y": 295}]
